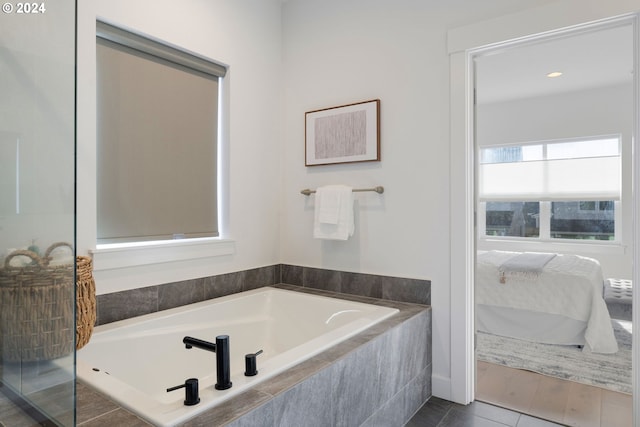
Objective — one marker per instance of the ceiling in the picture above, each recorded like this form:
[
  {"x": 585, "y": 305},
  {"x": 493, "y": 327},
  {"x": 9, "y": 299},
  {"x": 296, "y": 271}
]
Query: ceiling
[{"x": 587, "y": 60}]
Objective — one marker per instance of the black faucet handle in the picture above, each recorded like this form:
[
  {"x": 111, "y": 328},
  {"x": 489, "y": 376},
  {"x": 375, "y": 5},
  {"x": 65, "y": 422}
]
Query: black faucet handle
[
  {"x": 191, "y": 392},
  {"x": 250, "y": 364}
]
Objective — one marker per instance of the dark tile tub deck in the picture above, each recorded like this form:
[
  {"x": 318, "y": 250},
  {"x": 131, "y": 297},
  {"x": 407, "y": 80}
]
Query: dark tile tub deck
[{"x": 95, "y": 409}]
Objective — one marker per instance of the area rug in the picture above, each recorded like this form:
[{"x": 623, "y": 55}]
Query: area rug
[{"x": 610, "y": 371}]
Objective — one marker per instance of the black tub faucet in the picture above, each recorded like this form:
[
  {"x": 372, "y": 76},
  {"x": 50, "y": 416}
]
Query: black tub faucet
[{"x": 221, "y": 349}]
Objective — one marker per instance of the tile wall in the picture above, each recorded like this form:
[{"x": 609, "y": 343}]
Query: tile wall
[{"x": 136, "y": 302}]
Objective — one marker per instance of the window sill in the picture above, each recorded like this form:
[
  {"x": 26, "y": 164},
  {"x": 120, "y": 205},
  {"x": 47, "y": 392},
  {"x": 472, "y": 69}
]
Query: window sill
[
  {"x": 518, "y": 245},
  {"x": 113, "y": 257}
]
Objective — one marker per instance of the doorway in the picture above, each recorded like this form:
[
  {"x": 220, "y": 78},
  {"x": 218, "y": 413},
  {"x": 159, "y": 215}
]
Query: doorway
[
  {"x": 553, "y": 123},
  {"x": 461, "y": 43}
]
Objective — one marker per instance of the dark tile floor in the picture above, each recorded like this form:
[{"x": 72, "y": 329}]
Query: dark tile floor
[
  {"x": 442, "y": 413},
  {"x": 435, "y": 413}
]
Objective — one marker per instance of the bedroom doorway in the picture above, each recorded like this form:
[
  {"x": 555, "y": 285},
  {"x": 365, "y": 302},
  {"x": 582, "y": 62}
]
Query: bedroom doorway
[{"x": 553, "y": 132}]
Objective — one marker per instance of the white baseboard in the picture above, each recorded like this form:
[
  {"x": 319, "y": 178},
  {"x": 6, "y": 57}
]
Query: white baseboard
[{"x": 441, "y": 387}]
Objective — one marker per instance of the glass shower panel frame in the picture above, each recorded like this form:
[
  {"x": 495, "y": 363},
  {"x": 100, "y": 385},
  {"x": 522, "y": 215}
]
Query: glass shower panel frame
[{"x": 37, "y": 212}]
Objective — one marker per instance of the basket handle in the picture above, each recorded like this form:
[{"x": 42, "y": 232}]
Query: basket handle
[
  {"x": 34, "y": 256},
  {"x": 47, "y": 255}
]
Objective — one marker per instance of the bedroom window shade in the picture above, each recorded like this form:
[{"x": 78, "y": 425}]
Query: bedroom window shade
[
  {"x": 575, "y": 170},
  {"x": 157, "y": 127}
]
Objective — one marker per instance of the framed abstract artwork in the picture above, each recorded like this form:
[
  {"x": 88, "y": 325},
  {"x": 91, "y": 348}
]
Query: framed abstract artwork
[{"x": 344, "y": 134}]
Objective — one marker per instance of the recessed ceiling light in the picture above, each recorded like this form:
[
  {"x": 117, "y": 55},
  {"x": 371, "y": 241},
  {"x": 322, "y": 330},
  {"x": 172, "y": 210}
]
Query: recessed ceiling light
[{"x": 554, "y": 74}]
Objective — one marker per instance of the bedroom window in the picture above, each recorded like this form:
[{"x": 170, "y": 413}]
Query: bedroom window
[
  {"x": 551, "y": 190},
  {"x": 513, "y": 219},
  {"x": 586, "y": 220}
]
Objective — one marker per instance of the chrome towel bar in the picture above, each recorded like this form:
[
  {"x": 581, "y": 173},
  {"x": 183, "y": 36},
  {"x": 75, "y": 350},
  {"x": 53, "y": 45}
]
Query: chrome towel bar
[{"x": 379, "y": 189}]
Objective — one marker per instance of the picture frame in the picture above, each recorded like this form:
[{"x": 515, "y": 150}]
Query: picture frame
[{"x": 343, "y": 134}]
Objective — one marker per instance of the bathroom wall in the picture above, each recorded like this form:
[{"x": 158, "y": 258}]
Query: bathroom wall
[{"x": 337, "y": 52}]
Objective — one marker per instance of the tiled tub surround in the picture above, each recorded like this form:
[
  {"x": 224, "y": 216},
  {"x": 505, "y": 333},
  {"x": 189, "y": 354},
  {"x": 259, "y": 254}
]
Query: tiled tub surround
[
  {"x": 136, "y": 302},
  {"x": 379, "y": 377},
  {"x": 123, "y": 305}
]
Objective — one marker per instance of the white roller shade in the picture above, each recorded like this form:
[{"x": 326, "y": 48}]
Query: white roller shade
[
  {"x": 588, "y": 178},
  {"x": 157, "y": 126}
]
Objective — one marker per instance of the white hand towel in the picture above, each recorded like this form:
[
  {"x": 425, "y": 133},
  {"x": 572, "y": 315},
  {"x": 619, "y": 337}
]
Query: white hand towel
[
  {"x": 328, "y": 201},
  {"x": 333, "y": 216}
]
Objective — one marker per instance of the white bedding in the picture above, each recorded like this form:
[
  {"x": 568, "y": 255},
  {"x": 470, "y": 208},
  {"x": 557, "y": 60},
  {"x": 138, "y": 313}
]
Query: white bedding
[{"x": 569, "y": 285}]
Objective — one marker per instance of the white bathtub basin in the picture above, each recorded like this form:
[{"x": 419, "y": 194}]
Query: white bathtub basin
[{"x": 134, "y": 361}]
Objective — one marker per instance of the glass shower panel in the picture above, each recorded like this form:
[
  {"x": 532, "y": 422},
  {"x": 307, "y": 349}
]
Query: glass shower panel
[{"x": 37, "y": 212}]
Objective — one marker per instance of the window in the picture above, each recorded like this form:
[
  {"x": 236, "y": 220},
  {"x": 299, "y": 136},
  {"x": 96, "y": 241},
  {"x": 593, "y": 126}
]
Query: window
[
  {"x": 551, "y": 190},
  {"x": 586, "y": 220},
  {"x": 513, "y": 219},
  {"x": 157, "y": 120}
]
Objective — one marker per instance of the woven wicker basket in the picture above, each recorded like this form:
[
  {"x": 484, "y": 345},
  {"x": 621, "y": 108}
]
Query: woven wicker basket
[
  {"x": 85, "y": 300},
  {"x": 36, "y": 308}
]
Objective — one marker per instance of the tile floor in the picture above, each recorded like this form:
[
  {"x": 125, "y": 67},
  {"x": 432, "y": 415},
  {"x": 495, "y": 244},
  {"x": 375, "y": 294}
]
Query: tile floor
[
  {"x": 435, "y": 413},
  {"x": 442, "y": 413}
]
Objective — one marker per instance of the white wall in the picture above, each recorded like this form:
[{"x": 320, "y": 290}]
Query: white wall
[
  {"x": 246, "y": 36},
  {"x": 337, "y": 52},
  {"x": 600, "y": 111}
]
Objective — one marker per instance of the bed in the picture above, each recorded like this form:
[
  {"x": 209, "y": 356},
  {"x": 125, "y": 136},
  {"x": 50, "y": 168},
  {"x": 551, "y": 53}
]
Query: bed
[{"x": 548, "y": 298}]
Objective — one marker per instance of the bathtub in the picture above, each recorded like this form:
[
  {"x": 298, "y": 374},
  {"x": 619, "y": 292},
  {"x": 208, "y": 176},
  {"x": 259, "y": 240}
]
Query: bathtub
[{"x": 135, "y": 361}]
